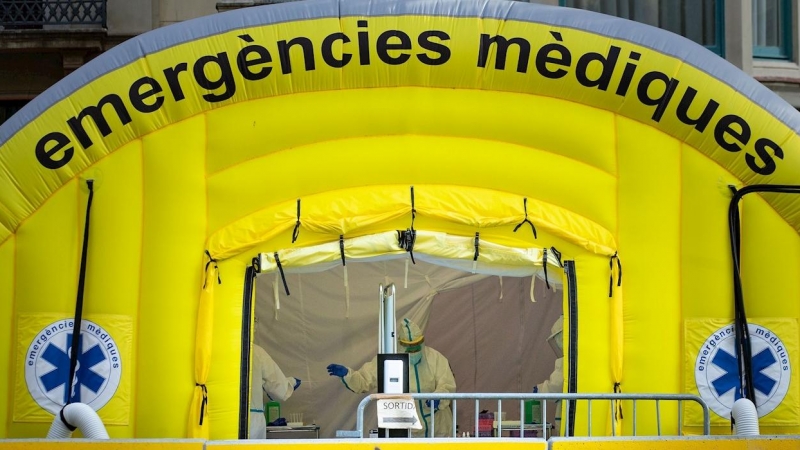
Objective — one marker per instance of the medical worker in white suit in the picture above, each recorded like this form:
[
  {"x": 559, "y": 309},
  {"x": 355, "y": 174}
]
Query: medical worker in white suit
[
  {"x": 429, "y": 372},
  {"x": 267, "y": 382},
  {"x": 555, "y": 382}
]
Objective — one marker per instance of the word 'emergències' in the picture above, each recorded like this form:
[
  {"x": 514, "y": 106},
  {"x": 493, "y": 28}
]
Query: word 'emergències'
[{"x": 253, "y": 62}]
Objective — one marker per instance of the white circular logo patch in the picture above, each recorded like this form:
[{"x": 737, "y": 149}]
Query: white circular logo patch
[
  {"x": 717, "y": 371},
  {"x": 47, "y": 362}
]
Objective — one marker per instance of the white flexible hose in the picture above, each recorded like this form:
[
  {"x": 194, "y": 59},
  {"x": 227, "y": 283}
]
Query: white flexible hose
[
  {"x": 745, "y": 418},
  {"x": 77, "y": 416}
]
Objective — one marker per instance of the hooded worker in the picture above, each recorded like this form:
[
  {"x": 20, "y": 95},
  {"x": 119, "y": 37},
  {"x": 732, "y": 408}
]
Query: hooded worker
[
  {"x": 556, "y": 340},
  {"x": 555, "y": 383},
  {"x": 429, "y": 372},
  {"x": 267, "y": 382}
]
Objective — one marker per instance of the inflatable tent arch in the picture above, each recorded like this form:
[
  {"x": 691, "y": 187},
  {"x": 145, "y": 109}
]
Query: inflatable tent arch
[{"x": 201, "y": 136}]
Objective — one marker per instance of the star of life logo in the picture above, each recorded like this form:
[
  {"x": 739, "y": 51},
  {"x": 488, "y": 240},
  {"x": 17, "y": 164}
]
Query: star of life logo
[
  {"x": 47, "y": 363},
  {"x": 717, "y": 370}
]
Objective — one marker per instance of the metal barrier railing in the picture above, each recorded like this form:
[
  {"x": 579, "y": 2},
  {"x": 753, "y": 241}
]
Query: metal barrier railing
[{"x": 499, "y": 397}]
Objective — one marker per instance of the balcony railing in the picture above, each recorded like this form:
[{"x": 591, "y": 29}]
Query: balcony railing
[{"x": 36, "y": 14}]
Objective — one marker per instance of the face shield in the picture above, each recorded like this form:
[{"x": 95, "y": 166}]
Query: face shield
[
  {"x": 411, "y": 340},
  {"x": 556, "y": 338},
  {"x": 556, "y": 342}
]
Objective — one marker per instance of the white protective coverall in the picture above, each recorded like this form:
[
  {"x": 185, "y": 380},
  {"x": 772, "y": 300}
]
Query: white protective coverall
[
  {"x": 430, "y": 374},
  {"x": 555, "y": 383},
  {"x": 266, "y": 381}
]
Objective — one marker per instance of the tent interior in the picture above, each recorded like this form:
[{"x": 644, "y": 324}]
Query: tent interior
[{"x": 492, "y": 327}]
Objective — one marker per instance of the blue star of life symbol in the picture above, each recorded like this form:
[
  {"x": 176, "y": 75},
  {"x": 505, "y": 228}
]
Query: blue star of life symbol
[
  {"x": 730, "y": 380},
  {"x": 83, "y": 372}
]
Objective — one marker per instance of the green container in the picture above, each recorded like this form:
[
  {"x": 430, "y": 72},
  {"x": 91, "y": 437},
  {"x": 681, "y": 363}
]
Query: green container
[
  {"x": 272, "y": 411},
  {"x": 533, "y": 411}
]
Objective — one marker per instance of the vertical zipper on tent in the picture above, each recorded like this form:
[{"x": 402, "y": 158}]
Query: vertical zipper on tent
[
  {"x": 76, "y": 330},
  {"x": 743, "y": 348},
  {"x": 525, "y": 207},
  {"x": 296, "y": 231},
  {"x": 244, "y": 377},
  {"x": 572, "y": 305}
]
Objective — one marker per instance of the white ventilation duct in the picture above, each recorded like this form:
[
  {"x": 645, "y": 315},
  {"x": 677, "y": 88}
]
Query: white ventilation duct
[
  {"x": 745, "y": 418},
  {"x": 77, "y": 416}
]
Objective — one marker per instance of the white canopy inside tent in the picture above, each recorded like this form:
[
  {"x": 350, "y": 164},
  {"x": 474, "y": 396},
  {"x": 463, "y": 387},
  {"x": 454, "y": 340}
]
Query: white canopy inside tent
[{"x": 488, "y": 326}]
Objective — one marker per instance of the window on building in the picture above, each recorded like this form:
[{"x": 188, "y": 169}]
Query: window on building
[
  {"x": 9, "y": 107},
  {"x": 772, "y": 29},
  {"x": 698, "y": 20}
]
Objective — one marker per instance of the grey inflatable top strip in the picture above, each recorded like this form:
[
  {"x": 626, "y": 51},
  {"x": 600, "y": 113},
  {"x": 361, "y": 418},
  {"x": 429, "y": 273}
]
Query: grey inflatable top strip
[{"x": 646, "y": 36}]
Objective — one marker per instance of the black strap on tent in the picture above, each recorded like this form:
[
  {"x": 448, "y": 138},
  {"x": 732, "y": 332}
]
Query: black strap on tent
[
  {"x": 544, "y": 266},
  {"x": 408, "y": 238},
  {"x": 76, "y": 330},
  {"x": 743, "y": 350},
  {"x": 283, "y": 276},
  {"x": 413, "y": 209},
  {"x": 246, "y": 340},
  {"x": 618, "y": 390},
  {"x": 341, "y": 249},
  {"x": 204, "y": 404},
  {"x": 296, "y": 231},
  {"x": 477, "y": 245},
  {"x": 211, "y": 261},
  {"x": 525, "y": 207},
  {"x": 557, "y": 254},
  {"x": 611, "y": 274}
]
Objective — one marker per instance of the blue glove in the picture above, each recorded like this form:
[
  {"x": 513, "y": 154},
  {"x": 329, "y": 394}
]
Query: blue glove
[
  {"x": 296, "y": 383},
  {"x": 279, "y": 422},
  {"x": 535, "y": 389},
  {"x": 435, "y": 404},
  {"x": 336, "y": 370}
]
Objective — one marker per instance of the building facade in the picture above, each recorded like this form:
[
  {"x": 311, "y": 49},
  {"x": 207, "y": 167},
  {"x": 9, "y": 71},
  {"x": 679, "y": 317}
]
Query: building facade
[{"x": 41, "y": 41}]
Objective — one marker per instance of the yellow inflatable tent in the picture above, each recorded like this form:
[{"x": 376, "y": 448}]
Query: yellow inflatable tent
[{"x": 144, "y": 191}]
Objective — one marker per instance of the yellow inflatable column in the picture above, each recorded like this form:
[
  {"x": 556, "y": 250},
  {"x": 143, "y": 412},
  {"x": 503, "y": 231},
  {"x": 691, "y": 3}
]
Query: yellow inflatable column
[
  {"x": 174, "y": 217},
  {"x": 43, "y": 296},
  {"x": 649, "y": 238},
  {"x": 770, "y": 264},
  {"x": 111, "y": 297},
  {"x": 706, "y": 267}
]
